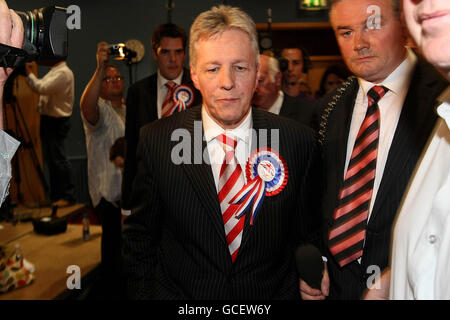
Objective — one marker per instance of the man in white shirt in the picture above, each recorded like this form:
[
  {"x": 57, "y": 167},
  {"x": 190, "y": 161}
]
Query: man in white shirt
[
  {"x": 103, "y": 113},
  {"x": 56, "y": 98},
  {"x": 11, "y": 34},
  {"x": 420, "y": 255},
  {"x": 373, "y": 129},
  {"x": 268, "y": 95},
  {"x": 146, "y": 98}
]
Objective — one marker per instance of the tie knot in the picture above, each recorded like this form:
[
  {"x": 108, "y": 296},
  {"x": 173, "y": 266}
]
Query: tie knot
[
  {"x": 170, "y": 85},
  {"x": 228, "y": 142},
  {"x": 376, "y": 93}
]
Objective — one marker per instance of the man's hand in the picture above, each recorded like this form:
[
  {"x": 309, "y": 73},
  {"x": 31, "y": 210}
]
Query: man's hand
[
  {"x": 102, "y": 55},
  {"x": 29, "y": 66},
  {"x": 11, "y": 34},
  {"x": 308, "y": 293},
  {"x": 380, "y": 291}
]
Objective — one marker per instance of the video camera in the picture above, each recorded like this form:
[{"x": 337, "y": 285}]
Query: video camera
[{"x": 45, "y": 38}]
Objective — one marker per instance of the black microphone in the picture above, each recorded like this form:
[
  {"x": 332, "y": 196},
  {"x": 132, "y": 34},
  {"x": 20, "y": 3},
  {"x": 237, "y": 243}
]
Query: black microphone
[{"x": 310, "y": 265}]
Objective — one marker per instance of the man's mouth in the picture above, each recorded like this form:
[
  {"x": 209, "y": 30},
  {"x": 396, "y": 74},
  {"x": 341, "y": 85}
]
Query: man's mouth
[{"x": 432, "y": 16}]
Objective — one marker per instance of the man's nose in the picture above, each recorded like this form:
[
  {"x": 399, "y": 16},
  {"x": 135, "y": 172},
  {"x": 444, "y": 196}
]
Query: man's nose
[
  {"x": 361, "y": 40},
  {"x": 226, "y": 78}
]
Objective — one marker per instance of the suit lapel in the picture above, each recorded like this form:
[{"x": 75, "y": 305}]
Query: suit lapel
[
  {"x": 200, "y": 175},
  {"x": 337, "y": 138},
  {"x": 414, "y": 122},
  {"x": 259, "y": 122},
  {"x": 152, "y": 108}
]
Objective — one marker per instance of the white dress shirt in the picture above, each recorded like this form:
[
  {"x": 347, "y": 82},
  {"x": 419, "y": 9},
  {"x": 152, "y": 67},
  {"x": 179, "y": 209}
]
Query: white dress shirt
[
  {"x": 276, "y": 107},
  {"x": 162, "y": 90},
  {"x": 8, "y": 147},
  {"x": 243, "y": 133},
  {"x": 104, "y": 179},
  {"x": 390, "y": 108},
  {"x": 420, "y": 259},
  {"x": 56, "y": 91}
]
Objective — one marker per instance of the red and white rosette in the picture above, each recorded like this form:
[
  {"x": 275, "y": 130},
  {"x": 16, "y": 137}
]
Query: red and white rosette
[{"x": 267, "y": 175}]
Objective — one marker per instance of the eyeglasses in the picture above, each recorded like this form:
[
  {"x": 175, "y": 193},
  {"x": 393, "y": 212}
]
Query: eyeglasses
[{"x": 116, "y": 78}]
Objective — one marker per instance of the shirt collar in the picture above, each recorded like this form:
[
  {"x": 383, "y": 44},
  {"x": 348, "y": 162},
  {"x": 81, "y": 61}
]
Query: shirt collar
[
  {"x": 398, "y": 81},
  {"x": 162, "y": 81},
  {"x": 276, "y": 107},
  {"x": 212, "y": 129},
  {"x": 444, "y": 108},
  {"x": 108, "y": 102}
]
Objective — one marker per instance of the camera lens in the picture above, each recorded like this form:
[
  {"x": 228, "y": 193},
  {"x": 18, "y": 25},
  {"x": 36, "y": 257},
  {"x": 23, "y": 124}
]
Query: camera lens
[
  {"x": 30, "y": 21},
  {"x": 45, "y": 32}
]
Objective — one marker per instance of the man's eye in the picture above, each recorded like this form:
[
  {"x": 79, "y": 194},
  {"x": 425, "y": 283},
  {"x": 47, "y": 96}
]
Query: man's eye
[
  {"x": 346, "y": 33},
  {"x": 213, "y": 69},
  {"x": 240, "y": 68}
]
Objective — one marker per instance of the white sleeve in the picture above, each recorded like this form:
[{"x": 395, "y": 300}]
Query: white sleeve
[
  {"x": 50, "y": 83},
  {"x": 8, "y": 147}
]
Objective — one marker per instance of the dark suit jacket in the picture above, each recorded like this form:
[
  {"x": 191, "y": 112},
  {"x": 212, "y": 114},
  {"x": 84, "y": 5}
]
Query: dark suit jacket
[
  {"x": 299, "y": 109},
  {"x": 141, "y": 109},
  {"x": 414, "y": 127},
  {"x": 174, "y": 241}
]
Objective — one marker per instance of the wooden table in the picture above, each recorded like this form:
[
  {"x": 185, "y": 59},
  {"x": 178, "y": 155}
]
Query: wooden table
[{"x": 51, "y": 255}]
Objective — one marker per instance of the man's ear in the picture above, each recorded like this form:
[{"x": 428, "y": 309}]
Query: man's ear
[
  {"x": 194, "y": 77},
  {"x": 258, "y": 74},
  {"x": 154, "y": 54}
]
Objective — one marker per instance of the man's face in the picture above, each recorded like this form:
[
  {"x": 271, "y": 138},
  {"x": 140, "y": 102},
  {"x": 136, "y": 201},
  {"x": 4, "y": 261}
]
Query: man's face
[
  {"x": 226, "y": 75},
  {"x": 112, "y": 84},
  {"x": 170, "y": 57},
  {"x": 267, "y": 91},
  {"x": 294, "y": 71},
  {"x": 428, "y": 22},
  {"x": 371, "y": 51}
]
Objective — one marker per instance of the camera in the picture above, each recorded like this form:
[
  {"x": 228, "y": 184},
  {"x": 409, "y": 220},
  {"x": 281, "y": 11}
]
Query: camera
[
  {"x": 45, "y": 38},
  {"x": 120, "y": 51}
]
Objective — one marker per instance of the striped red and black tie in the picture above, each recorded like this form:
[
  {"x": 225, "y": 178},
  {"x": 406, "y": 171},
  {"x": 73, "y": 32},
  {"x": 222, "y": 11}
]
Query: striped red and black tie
[{"x": 347, "y": 234}]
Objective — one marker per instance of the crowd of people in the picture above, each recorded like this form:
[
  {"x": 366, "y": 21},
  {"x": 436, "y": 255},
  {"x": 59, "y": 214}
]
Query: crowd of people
[{"x": 361, "y": 170}]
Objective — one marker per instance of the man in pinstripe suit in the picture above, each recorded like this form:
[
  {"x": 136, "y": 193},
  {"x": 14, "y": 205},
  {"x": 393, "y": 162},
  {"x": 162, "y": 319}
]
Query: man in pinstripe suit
[
  {"x": 356, "y": 227},
  {"x": 186, "y": 237}
]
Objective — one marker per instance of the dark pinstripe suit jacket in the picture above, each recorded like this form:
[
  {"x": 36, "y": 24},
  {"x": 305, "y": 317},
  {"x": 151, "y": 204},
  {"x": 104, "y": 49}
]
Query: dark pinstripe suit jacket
[
  {"x": 174, "y": 241},
  {"x": 141, "y": 109},
  {"x": 414, "y": 127}
]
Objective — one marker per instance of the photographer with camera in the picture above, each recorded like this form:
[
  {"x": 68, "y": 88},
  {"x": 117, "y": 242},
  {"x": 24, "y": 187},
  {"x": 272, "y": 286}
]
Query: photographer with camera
[
  {"x": 55, "y": 105},
  {"x": 103, "y": 113},
  {"x": 11, "y": 34}
]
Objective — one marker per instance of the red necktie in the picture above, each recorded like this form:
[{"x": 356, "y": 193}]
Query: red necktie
[
  {"x": 168, "y": 101},
  {"x": 230, "y": 183},
  {"x": 347, "y": 234}
]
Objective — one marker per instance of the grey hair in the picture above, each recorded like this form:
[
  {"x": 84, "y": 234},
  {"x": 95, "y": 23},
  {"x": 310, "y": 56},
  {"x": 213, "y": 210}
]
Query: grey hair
[
  {"x": 274, "y": 68},
  {"x": 217, "y": 20}
]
